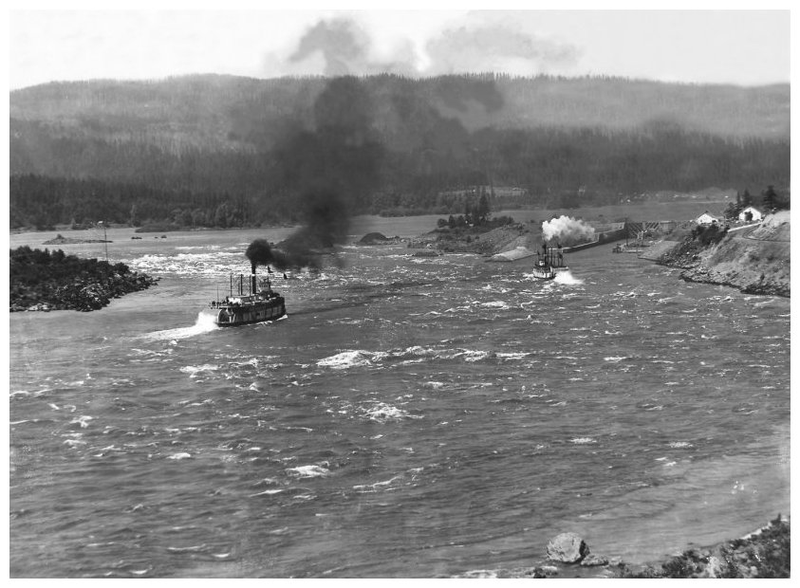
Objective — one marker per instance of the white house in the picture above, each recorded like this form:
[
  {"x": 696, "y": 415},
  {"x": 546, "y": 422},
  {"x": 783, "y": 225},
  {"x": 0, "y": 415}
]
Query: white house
[
  {"x": 706, "y": 219},
  {"x": 751, "y": 213}
]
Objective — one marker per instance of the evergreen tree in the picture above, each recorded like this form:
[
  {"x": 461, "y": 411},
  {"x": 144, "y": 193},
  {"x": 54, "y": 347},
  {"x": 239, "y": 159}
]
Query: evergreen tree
[
  {"x": 769, "y": 198},
  {"x": 482, "y": 212}
]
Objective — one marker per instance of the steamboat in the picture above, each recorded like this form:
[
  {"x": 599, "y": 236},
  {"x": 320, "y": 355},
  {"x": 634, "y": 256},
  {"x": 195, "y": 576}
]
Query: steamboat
[
  {"x": 549, "y": 261},
  {"x": 261, "y": 304}
]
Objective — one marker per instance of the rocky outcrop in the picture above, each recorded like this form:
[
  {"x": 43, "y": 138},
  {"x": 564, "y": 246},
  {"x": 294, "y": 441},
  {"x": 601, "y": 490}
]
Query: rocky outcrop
[
  {"x": 44, "y": 281},
  {"x": 567, "y": 548},
  {"x": 480, "y": 240},
  {"x": 61, "y": 240},
  {"x": 378, "y": 239},
  {"x": 592, "y": 560},
  {"x": 763, "y": 554},
  {"x": 84, "y": 294}
]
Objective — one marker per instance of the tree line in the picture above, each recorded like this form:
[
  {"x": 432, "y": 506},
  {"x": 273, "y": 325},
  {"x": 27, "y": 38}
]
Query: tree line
[
  {"x": 43, "y": 202},
  {"x": 552, "y": 168}
]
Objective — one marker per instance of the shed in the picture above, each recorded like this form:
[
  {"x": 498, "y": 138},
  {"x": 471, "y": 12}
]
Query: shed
[
  {"x": 706, "y": 219},
  {"x": 751, "y": 213}
]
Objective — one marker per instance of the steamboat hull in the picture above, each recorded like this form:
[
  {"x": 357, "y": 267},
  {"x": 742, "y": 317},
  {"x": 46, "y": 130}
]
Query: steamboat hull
[
  {"x": 232, "y": 316},
  {"x": 262, "y": 304},
  {"x": 543, "y": 273}
]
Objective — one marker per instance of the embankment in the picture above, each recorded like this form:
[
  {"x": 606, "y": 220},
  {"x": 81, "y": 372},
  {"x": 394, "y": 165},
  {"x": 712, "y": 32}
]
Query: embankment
[
  {"x": 763, "y": 554},
  {"x": 509, "y": 242},
  {"x": 477, "y": 240},
  {"x": 753, "y": 260}
]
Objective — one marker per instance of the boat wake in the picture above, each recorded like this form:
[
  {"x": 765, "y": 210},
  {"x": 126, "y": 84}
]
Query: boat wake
[
  {"x": 204, "y": 324},
  {"x": 567, "y": 279}
]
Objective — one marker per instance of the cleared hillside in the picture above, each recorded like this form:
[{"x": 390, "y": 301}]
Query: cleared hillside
[{"x": 755, "y": 261}]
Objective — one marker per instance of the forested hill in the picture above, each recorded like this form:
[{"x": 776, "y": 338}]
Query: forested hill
[
  {"x": 192, "y": 144},
  {"x": 212, "y": 110}
]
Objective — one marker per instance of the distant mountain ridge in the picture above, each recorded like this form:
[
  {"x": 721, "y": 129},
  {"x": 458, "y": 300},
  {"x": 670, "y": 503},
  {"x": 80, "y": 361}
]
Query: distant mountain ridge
[{"x": 218, "y": 111}]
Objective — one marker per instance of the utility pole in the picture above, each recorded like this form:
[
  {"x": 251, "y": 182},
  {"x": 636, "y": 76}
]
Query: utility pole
[{"x": 105, "y": 238}]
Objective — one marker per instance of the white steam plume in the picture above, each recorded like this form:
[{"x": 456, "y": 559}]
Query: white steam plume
[{"x": 567, "y": 231}]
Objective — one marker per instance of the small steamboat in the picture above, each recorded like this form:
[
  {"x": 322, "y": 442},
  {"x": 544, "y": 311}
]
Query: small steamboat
[
  {"x": 549, "y": 261},
  {"x": 261, "y": 304}
]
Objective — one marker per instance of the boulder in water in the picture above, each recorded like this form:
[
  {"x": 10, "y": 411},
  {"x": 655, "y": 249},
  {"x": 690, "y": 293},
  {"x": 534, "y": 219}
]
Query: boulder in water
[
  {"x": 567, "y": 548},
  {"x": 373, "y": 239},
  {"x": 594, "y": 560}
]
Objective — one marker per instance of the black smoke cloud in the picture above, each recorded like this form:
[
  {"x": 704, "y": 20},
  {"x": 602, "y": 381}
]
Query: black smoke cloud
[
  {"x": 347, "y": 49},
  {"x": 259, "y": 252},
  {"x": 329, "y": 167},
  {"x": 331, "y": 164},
  {"x": 481, "y": 45},
  {"x": 341, "y": 43}
]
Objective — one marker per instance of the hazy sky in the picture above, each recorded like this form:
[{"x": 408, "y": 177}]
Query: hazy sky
[{"x": 744, "y": 47}]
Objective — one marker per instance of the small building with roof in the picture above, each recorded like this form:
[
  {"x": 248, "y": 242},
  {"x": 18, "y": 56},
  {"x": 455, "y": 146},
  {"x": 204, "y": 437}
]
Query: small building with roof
[
  {"x": 750, "y": 214},
  {"x": 706, "y": 219}
]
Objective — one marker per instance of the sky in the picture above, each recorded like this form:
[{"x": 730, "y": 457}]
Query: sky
[{"x": 153, "y": 40}]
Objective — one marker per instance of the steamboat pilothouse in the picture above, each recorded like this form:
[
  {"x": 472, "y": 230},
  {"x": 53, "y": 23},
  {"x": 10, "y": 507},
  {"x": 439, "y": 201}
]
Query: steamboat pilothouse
[{"x": 261, "y": 304}]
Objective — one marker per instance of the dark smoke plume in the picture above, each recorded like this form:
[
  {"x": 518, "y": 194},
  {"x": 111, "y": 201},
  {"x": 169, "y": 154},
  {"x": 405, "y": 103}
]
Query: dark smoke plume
[
  {"x": 484, "y": 43},
  {"x": 259, "y": 252},
  {"x": 340, "y": 41},
  {"x": 346, "y": 48},
  {"x": 330, "y": 167}
]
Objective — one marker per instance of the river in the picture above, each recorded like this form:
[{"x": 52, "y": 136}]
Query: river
[{"x": 410, "y": 417}]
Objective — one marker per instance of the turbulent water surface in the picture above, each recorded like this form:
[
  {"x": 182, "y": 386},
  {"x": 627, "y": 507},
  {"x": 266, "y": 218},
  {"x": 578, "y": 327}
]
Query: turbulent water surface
[{"x": 411, "y": 417}]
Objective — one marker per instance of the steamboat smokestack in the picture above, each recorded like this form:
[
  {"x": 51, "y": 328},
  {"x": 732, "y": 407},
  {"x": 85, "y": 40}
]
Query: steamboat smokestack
[{"x": 259, "y": 253}]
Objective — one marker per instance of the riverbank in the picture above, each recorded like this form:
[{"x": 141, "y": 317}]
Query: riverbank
[
  {"x": 754, "y": 260},
  {"x": 481, "y": 240},
  {"x": 765, "y": 553}
]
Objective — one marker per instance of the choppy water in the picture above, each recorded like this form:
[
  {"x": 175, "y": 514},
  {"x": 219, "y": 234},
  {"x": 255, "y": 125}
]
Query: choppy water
[{"x": 412, "y": 417}]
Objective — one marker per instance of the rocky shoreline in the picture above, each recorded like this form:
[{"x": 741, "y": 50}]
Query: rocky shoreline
[
  {"x": 766, "y": 553},
  {"x": 755, "y": 260},
  {"x": 482, "y": 240}
]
